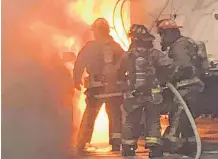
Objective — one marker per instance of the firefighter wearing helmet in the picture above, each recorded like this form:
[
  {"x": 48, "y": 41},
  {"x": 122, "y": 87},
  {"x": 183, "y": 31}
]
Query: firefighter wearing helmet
[
  {"x": 183, "y": 51},
  {"x": 100, "y": 58},
  {"x": 139, "y": 65}
]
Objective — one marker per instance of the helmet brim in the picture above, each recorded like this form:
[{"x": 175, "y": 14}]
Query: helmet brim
[
  {"x": 170, "y": 27},
  {"x": 143, "y": 37}
]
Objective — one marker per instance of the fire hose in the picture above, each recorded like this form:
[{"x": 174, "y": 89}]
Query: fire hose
[
  {"x": 190, "y": 117},
  {"x": 114, "y": 26},
  {"x": 185, "y": 108},
  {"x": 121, "y": 15}
]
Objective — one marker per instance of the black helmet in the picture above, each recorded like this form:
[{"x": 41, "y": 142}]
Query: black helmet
[{"x": 140, "y": 32}]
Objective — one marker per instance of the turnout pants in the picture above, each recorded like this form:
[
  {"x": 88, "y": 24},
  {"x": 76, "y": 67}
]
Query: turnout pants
[
  {"x": 178, "y": 114},
  {"x": 178, "y": 121},
  {"x": 132, "y": 112},
  {"x": 93, "y": 106}
]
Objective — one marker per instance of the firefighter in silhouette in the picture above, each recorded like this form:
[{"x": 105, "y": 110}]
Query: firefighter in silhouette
[
  {"x": 101, "y": 58},
  {"x": 187, "y": 68},
  {"x": 142, "y": 92}
]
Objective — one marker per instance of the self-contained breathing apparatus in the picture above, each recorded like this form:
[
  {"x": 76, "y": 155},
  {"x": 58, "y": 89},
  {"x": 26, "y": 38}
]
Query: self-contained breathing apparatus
[
  {"x": 199, "y": 63},
  {"x": 106, "y": 80}
]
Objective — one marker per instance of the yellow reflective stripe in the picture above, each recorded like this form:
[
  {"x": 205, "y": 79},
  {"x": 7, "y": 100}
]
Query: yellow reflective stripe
[
  {"x": 187, "y": 82},
  {"x": 156, "y": 90},
  {"x": 173, "y": 139},
  {"x": 189, "y": 139},
  {"x": 129, "y": 142},
  {"x": 89, "y": 84},
  {"x": 129, "y": 94},
  {"x": 152, "y": 140},
  {"x": 115, "y": 135},
  {"x": 108, "y": 95}
]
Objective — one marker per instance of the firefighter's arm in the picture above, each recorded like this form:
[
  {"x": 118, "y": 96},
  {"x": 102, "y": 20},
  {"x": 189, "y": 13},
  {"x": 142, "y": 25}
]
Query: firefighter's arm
[
  {"x": 162, "y": 59},
  {"x": 80, "y": 64},
  {"x": 164, "y": 66},
  {"x": 181, "y": 60},
  {"x": 180, "y": 54}
]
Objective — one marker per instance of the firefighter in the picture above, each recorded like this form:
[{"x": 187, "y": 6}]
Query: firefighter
[
  {"x": 186, "y": 71},
  {"x": 140, "y": 66},
  {"x": 101, "y": 59}
]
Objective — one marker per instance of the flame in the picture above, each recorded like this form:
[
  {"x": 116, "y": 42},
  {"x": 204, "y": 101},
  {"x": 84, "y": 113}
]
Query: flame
[
  {"x": 47, "y": 28},
  {"x": 100, "y": 134},
  {"x": 89, "y": 10},
  {"x": 64, "y": 25}
]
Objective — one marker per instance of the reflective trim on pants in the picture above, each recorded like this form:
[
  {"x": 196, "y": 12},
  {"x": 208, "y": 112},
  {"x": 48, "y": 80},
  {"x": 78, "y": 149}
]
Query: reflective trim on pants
[
  {"x": 173, "y": 138},
  {"x": 188, "y": 82},
  {"x": 152, "y": 140},
  {"x": 108, "y": 95},
  {"x": 115, "y": 135},
  {"x": 91, "y": 83},
  {"x": 189, "y": 139},
  {"x": 129, "y": 142}
]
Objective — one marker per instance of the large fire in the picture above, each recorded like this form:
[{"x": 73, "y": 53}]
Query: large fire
[
  {"x": 42, "y": 28},
  {"x": 88, "y": 11}
]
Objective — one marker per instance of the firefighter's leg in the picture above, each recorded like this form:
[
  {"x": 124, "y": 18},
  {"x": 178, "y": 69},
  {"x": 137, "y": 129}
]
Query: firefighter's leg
[
  {"x": 171, "y": 140},
  {"x": 153, "y": 133},
  {"x": 109, "y": 119},
  {"x": 130, "y": 121},
  {"x": 113, "y": 109},
  {"x": 93, "y": 106},
  {"x": 189, "y": 145},
  {"x": 170, "y": 137},
  {"x": 185, "y": 125}
]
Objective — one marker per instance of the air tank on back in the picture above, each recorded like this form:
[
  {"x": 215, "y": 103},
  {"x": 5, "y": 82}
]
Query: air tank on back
[{"x": 203, "y": 53}]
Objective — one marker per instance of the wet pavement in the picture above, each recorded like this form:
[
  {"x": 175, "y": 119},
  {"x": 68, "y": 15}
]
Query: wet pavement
[{"x": 208, "y": 130}]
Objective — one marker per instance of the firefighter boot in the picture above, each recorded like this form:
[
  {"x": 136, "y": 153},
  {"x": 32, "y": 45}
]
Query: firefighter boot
[
  {"x": 188, "y": 149},
  {"x": 156, "y": 152},
  {"x": 170, "y": 143},
  {"x": 128, "y": 150},
  {"x": 115, "y": 144}
]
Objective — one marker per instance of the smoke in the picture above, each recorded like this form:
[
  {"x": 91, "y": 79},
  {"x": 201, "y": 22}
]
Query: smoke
[
  {"x": 45, "y": 25},
  {"x": 39, "y": 30},
  {"x": 34, "y": 33}
]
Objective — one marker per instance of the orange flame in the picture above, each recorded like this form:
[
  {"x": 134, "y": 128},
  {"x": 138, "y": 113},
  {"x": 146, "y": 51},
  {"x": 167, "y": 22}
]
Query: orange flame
[
  {"x": 41, "y": 29},
  {"x": 84, "y": 13},
  {"x": 89, "y": 10}
]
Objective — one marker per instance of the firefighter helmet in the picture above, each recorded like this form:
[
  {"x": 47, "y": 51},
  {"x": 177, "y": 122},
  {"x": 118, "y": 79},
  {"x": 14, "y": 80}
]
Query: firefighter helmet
[
  {"x": 140, "y": 32},
  {"x": 167, "y": 24},
  {"x": 101, "y": 24}
]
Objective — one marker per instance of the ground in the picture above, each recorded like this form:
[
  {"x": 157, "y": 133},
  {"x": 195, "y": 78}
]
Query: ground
[{"x": 208, "y": 130}]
